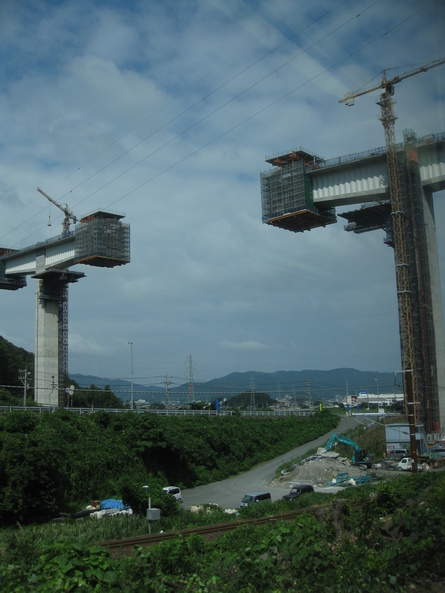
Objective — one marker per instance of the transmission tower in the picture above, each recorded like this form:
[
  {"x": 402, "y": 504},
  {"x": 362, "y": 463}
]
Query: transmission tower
[
  {"x": 191, "y": 397},
  {"x": 308, "y": 383},
  {"x": 252, "y": 393},
  {"x": 166, "y": 383}
]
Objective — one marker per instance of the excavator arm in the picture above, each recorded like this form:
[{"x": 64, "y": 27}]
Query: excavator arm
[{"x": 359, "y": 457}]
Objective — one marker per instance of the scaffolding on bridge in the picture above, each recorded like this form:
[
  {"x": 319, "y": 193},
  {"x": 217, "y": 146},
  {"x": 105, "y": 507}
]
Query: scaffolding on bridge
[
  {"x": 102, "y": 240},
  {"x": 287, "y": 196}
]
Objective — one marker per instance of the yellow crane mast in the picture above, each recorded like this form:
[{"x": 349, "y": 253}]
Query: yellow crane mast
[{"x": 388, "y": 119}]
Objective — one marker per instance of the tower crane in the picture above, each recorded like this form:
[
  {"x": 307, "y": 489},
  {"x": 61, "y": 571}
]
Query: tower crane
[
  {"x": 68, "y": 213},
  {"x": 388, "y": 119}
]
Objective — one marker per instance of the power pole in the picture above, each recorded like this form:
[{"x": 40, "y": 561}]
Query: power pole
[
  {"x": 24, "y": 374},
  {"x": 131, "y": 363},
  {"x": 191, "y": 388}
]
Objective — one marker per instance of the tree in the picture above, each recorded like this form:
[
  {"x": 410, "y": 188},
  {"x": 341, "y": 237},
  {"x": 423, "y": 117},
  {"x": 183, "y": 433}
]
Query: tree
[
  {"x": 242, "y": 400},
  {"x": 12, "y": 361},
  {"x": 95, "y": 397}
]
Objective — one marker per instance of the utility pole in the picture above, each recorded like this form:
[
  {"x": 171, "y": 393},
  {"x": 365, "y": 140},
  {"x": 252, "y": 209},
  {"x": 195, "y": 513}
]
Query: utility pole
[
  {"x": 191, "y": 389},
  {"x": 24, "y": 374},
  {"x": 53, "y": 387},
  {"x": 131, "y": 362}
]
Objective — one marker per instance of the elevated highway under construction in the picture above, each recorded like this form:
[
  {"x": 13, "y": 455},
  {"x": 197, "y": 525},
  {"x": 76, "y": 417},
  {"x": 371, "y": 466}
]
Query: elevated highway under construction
[
  {"x": 302, "y": 191},
  {"x": 100, "y": 239}
]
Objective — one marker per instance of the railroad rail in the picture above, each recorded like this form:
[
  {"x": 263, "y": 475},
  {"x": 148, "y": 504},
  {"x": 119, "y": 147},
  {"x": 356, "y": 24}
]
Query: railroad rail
[{"x": 126, "y": 546}]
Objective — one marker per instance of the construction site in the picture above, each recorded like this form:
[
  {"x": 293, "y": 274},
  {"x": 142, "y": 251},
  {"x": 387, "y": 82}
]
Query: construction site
[
  {"x": 288, "y": 202},
  {"x": 100, "y": 239},
  {"x": 394, "y": 186}
]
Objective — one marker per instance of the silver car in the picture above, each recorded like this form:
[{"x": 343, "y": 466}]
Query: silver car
[{"x": 174, "y": 491}]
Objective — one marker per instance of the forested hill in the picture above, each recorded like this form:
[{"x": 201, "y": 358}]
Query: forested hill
[{"x": 12, "y": 361}]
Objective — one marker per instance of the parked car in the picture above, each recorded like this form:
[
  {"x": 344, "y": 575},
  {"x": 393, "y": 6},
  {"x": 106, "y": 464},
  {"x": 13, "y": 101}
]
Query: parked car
[
  {"x": 297, "y": 491},
  {"x": 174, "y": 491},
  {"x": 255, "y": 497},
  {"x": 406, "y": 464},
  {"x": 396, "y": 454},
  {"x": 436, "y": 452}
]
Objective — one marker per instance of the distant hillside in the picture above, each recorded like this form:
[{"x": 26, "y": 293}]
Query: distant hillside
[
  {"x": 320, "y": 384},
  {"x": 120, "y": 387}
]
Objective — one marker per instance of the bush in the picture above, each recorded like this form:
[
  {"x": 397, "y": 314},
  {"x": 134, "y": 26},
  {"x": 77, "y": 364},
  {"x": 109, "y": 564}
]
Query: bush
[{"x": 51, "y": 463}]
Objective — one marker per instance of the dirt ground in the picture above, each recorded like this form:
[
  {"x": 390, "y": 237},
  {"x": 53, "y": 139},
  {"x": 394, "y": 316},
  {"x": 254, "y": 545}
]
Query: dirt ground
[{"x": 320, "y": 470}]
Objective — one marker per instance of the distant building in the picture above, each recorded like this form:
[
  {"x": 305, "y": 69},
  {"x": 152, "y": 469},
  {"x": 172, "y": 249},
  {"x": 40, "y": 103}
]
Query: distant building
[
  {"x": 382, "y": 399},
  {"x": 397, "y": 437}
]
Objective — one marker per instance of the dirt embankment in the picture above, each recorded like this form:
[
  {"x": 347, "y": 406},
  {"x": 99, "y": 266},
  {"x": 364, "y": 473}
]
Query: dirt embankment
[{"x": 320, "y": 470}]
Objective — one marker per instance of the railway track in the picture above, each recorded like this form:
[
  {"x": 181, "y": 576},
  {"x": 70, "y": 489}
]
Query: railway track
[{"x": 126, "y": 546}]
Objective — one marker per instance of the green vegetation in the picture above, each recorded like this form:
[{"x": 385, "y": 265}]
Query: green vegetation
[
  {"x": 56, "y": 462},
  {"x": 384, "y": 538},
  {"x": 242, "y": 400},
  {"x": 94, "y": 397},
  {"x": 15, "y": 362}
]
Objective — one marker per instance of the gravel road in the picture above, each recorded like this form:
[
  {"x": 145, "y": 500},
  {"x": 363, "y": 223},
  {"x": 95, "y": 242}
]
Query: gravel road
[{"x": 228, "y": 493}]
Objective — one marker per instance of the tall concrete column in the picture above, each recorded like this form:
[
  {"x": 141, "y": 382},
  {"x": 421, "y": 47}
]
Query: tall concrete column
[
  {"x": 51, "y": 345},
  {"x": 436, "y": 296},
  {"x": 46, "y": 347}
]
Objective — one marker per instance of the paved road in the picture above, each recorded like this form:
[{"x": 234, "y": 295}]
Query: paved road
[{"x": 228, "y": 493}]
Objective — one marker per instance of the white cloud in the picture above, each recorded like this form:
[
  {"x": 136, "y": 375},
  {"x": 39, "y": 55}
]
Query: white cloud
[
  {"x": 152, "y": 109},
  {"x": 249, "y": 346}
]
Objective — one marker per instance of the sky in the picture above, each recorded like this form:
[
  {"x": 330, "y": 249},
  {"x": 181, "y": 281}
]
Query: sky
[{"x": 165, "y": 111}]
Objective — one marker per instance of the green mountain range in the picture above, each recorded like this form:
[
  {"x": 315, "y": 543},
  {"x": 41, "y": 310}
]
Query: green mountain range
[{"x": 306, "y": 384}]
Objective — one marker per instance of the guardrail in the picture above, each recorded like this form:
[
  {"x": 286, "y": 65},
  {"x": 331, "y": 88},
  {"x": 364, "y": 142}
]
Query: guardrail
[{"x": 173, "y": 412}]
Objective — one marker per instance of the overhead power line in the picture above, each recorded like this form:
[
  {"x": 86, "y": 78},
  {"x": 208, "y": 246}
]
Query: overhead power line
[
  {"x": 243, "y": 71},
  {"x": 237, "y": 96}
]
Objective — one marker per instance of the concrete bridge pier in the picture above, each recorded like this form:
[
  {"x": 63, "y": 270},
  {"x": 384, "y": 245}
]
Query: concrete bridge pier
[
  {"x": 436, "y": 298},
  {"x": 51, "y": 336}
]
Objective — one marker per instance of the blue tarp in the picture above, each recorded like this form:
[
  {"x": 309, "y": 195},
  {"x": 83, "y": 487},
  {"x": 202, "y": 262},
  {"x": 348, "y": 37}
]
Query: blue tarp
[{"x": 112, "y": 503}]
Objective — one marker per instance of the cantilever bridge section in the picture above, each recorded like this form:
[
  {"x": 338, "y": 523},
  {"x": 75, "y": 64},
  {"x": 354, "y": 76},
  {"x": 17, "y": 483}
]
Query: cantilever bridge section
[
  {"x": 302, "y": 191},
  {"x": 100, "y": 239}
]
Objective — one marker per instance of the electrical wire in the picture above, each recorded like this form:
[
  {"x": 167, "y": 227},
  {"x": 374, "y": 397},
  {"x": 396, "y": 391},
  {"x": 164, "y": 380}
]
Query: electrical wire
[
  {"x": 231, "y": 100},
  {"x": 212, "y": 113},
  {"x": 219, "y": 108}
]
